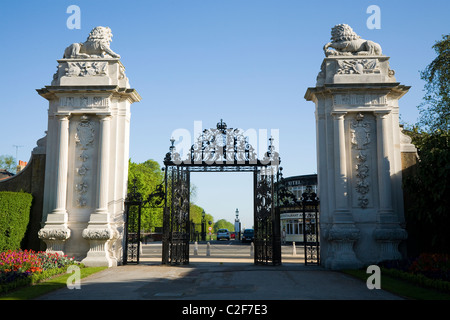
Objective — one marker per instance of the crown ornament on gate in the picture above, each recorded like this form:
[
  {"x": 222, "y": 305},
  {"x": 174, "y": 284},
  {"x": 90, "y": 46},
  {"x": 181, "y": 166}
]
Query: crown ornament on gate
[{"x": 222, "y": 146}]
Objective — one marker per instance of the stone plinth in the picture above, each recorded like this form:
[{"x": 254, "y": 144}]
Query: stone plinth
[
  {"x": 359, "y": 159},
  {"x": 87, "y": 157}
]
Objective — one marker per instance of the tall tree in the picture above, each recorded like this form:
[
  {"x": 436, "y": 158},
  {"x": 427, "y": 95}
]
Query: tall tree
[
  {"x": 435, "y": 109},
  {"x": 148, "y": 176},
  {"x": 223, "y": 224},
  {"x": 428, "y": 190}
]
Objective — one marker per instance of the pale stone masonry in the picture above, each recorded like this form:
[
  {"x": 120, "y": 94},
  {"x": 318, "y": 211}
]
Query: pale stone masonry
[
  {"x": 359, "y": 153},
  {"x": 87, "y": 152}
]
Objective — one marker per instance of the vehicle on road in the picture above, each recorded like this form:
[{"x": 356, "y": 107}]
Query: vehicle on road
[
  {"x": 223, "y": 234},
  {"x": 248, "y": 235}
]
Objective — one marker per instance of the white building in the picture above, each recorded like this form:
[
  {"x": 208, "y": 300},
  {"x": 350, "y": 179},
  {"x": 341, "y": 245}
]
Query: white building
[{"x": 291, "y": 219}]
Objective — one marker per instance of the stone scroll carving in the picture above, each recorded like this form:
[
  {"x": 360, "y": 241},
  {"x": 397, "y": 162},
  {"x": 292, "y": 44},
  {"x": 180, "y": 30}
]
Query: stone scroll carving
[
  {"x": 84, "y": 138},
  {"x": 346, "y": 42},
  {"x": 82, "y": 69},
  {"x": 360, "y": 139}
]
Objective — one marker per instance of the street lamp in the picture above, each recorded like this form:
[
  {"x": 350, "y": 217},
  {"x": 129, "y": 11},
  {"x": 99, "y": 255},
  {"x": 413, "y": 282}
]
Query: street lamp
[
  {"x": 203, "y": 226},
  {"x": 237, "y": 226}
]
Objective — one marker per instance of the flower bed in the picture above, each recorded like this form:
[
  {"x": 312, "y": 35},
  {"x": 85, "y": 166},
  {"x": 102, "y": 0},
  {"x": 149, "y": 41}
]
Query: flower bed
[
  {"x": 19, "y": 268},
  {"x": 428, "y": 269}
]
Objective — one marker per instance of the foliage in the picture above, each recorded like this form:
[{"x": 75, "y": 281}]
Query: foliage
[
  {"x": 196, "y": 217},
  {"x": 428, "y": 189},
  {"x": 223, "y": 224},
  {"x": 8, "y": 163},
  {"x": 148, "y": 176},
  {"x": 435, "y": 110},
  {"x": 428, "y": 269},
  {"x": 14, "y": 218},
  {"x": 19, "y": 268},
  {"x": 50, "y": 280},
  {"x": 428, "y": 214}
]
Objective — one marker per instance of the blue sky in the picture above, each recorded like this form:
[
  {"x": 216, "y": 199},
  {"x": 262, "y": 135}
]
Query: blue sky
[{"x": 248, "y": 62}]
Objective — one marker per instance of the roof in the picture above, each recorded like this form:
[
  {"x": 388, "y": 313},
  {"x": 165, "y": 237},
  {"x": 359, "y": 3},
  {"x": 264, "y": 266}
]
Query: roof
[{"x": 4, "y": 174}]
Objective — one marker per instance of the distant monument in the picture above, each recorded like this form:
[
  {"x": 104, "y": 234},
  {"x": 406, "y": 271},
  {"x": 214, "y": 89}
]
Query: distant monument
[
  {"x": 359, "y": 153},
  {"x": 87, "y": 152}
]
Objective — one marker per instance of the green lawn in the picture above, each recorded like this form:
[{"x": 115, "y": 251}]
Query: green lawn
[
  {"x": 403, "y": 288},
  {"x": 57, "y": 282}
]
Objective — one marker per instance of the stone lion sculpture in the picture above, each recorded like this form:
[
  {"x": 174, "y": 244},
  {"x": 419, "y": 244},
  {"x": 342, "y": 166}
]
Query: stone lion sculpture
[
  {"x": 96, "y": 45},
  {"x": 346, "y": 42}
]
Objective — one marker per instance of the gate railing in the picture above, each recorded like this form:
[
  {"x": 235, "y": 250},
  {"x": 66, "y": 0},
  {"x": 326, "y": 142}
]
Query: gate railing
[
  {"x": 308, "y": 205},
  {"x": 134, "y": 203}
]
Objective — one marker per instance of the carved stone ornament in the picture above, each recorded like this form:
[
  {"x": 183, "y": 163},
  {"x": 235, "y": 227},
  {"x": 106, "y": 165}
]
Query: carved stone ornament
[
  {"x": 358, "y": 66},
  {"x": 346, "y": 43},
  {"x": 343, "y": 234},
  {"x": 84, "y": 102},
  {"x": 54, "y": 234},
  {"x": 390, "y": 234},
  {"x": 97, "y": 45},
  {"x": 97, "y": 234},
  {"x": 359, "y": 99},
  {"x": 360, "y": 131},
  {"x": 82, "y": 69},
  {"x": 84, "y": 136}
]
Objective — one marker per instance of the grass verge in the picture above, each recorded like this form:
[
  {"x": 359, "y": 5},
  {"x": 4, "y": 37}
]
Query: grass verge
[
  {"x": 41, "y": 288},
  {"x": 401, "y": 287}
]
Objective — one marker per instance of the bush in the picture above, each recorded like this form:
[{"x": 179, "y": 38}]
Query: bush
[
  {"x": 428, "y": 269},
  {"x": 14, "y": 216}
]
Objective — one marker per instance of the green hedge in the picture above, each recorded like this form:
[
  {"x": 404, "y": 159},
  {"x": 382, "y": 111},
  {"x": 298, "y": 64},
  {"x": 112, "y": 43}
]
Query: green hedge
[{"x": 14, "y": 216}]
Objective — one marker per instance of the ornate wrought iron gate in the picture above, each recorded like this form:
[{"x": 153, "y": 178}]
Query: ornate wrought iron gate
[
  {"x": 267, "y": 239},
  {"x": 176, "y": 223},
  {"x": 134, "y": 203},
  {"x": 133, "y": 206},
  {"x": 310, "y": 217},
  {"x": 221, "y": 149},
  {"x": 308, "y": 206}
]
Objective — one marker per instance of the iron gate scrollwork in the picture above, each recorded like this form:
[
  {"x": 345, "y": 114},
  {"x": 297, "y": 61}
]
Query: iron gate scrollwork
[
  {"x": 221, "y": 149},
  {"x": 308, "y": 207},
  {"x": 133, "y": 208},
  {"x": 134, "y": 203},
  {"x": 176, "y": 222},
  {"x": 310, "y": 217},
  {"x": 267, "y": 238}
]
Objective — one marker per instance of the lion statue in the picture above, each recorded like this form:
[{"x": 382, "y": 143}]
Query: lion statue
[
  {"x": 346, "y": 42},
  {"x": 96, "y": 45}
]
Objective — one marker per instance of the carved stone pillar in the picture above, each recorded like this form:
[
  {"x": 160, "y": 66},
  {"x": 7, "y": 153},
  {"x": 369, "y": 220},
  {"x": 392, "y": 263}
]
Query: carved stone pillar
[
  {"x": 87, "y": 152},
  {"x": 55, "y": 233},
  {"x": 388, "y": 232},
  {"x": 61, "y": 169},
  {"x": 103, "y": 165},
  {"x": 343, "y": 233},
  {"x": 358, "y": 159},
  {"x": 99, "y": 231}
]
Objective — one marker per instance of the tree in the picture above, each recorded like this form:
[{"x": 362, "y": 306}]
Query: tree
[
  {"x": 223, "y": 224},
  {"x": 435, "y": 109},
  {"x": 428, "y": 190},
  {"x": 196, "y": 217},
  {"x": 148, "y": 176},
  {"x": 8, "y": 163}
]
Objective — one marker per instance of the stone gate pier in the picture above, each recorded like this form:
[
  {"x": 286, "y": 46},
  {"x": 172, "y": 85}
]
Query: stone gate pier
[
  {"x": 87, "y": 152},
  {"x": 359, "y": 145}
]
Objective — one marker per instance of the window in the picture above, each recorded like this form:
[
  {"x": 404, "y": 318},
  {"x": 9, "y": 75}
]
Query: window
[{"x": 294, "y": 226}]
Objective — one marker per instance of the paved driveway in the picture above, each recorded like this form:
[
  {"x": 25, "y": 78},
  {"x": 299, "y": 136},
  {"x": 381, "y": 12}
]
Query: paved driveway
[{"x": 227, "y": 274}]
